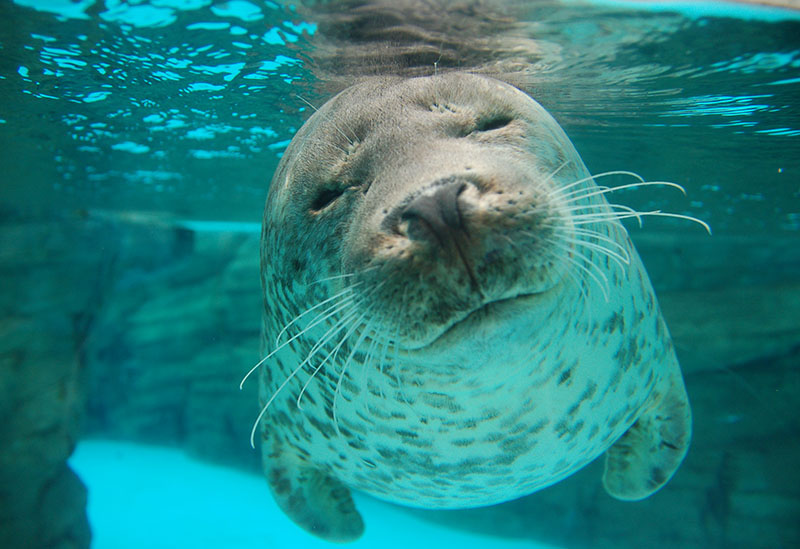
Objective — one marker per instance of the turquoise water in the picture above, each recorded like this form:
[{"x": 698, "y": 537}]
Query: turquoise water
[
  {"x": 228, "y": 509},
  {"x": 184, "y": 108},
  {"x": 168, "y": 117}
]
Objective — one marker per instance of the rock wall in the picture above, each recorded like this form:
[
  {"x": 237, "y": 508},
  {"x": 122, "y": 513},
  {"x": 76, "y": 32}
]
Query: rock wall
[
  {"x": 149, "y": 326},
  {"x": 49, "y": 301},
  {"x": 178, "y": 332}
]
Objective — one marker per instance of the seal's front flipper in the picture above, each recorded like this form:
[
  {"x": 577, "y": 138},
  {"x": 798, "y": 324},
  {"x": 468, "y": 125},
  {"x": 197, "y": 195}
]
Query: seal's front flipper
[
  {"x": 314, "y": 500},
  {"x": 643, "y": 459}
]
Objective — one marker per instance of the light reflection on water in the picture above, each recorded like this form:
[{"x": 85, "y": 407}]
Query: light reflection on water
[{"x": 186, "y": 106}]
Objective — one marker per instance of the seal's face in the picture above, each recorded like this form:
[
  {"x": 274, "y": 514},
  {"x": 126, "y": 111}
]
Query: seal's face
[{"x": 433, "y": 230}]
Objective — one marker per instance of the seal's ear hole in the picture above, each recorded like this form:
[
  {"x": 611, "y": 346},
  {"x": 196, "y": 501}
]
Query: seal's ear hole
[
  {"x": 493, "y": 123},
  {"x": 325, "y": 197}
]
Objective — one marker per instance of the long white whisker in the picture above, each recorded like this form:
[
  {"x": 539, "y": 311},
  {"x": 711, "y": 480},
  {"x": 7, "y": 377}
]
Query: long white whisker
[
  {"x": 576, "y": 195},
  {"x": 325, "y": 338},
  {"x": 334, "y": 352},
  {"x": 617, "y": 258},
  {"x": 589, "y": 233},
  {"x": 327, "y": 313},
  {"x": 572, "y": 235},
  {"x": 607, "y": 217},
  {"x": 381, "y": 364},
  {"x": 337, "y": 392},
  {"x": 347, "y": 290},
  {"x": 560, "y": 191},
  {"x": 604, "y": 209},
  {"x": 335, "y": 277},
  {"x": 615, "y": 216},
  {"x": 331, "y": 355},
  {"x": 336, "y": 127},
  {"x": 604, "y": 284},
  {"x": 345, "y": 275},
  {"x": 577, "y": 280},
  {"x": 368, "y": 360},
  {"x": 328, "y": 143},
  {"x": 555, "y": 172}
]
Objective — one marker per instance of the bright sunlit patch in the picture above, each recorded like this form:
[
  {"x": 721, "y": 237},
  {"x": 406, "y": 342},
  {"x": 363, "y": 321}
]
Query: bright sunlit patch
[
  {"x": 146, "y": 496},
  {"x": 697, "y": 9}
]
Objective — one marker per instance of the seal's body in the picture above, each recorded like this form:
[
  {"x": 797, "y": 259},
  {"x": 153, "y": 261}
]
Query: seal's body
[{"x": 456, "y": 310}]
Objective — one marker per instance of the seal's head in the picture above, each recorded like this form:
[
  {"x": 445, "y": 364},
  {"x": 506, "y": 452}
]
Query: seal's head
[{"x": 430, "y": 230}]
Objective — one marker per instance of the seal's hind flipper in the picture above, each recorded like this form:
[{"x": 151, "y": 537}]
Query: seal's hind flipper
[
  {"x": 313, "y": 499},
  {"x": 643, "y": 459}
]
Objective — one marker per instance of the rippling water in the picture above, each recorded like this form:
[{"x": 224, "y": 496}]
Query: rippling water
[{"x": 185, "y": 107}]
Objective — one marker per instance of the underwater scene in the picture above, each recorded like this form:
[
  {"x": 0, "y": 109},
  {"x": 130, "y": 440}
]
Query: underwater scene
[{"x": 290, "y": 274}]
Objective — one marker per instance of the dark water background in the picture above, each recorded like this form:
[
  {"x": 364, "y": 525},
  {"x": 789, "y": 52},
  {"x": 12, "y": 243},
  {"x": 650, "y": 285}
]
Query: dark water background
[{"x": 164, "y": 121}]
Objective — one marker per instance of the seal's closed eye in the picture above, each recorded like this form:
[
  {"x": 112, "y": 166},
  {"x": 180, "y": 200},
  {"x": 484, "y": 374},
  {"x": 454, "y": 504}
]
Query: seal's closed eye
[
  {"x": 493, "y": 123},
  {"x": 325, "y": 197}
]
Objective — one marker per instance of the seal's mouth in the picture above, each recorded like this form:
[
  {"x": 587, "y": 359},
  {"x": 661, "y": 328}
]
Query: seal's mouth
[{"x": 487, "y": 315}]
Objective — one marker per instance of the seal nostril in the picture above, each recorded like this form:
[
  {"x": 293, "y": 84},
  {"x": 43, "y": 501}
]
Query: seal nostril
[{"x": 436, "y": 214}]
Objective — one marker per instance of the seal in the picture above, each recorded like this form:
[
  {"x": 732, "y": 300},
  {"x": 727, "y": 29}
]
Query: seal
[{"x": 454, "y": 314}]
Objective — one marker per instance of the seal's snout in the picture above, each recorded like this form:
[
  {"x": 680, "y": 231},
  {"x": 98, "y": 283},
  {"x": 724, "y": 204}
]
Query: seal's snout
[{"x": 435, "y": 217}]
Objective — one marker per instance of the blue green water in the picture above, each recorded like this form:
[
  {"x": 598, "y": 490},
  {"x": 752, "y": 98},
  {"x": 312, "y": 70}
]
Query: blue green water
[
  {"x": 176, "y": 112},
  {"x": 184, "y": 107}
]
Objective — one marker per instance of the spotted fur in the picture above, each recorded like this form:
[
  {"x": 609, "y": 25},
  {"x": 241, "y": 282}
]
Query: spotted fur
[{"x": 475, "y": 368}]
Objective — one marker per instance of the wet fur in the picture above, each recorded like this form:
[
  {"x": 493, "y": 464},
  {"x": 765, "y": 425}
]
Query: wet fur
[{"x": 447, "y": 378}]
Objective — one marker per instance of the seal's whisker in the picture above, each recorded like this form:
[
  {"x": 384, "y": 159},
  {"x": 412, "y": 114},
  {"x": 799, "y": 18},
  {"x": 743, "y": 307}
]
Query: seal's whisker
[
  {"x": 329, "y": 278},
  {"x": 606, "y": 217},
  {"x": 620, "y": 260},
  {"x": 584, "y": 233},
  {"x": 381, "y": 363},
  {"x": 603, "y": 284},
  {"x": 345, "y": 275},
  {"x": 602, "y": 208},
  {"x": 324, "y": 315},
  {"x": 559, "y": 192},
  {"x": 353, "y": 351},
  {"x": 323, "y": 340},
  {"x": 579, "y": 282},
  {"x": 328, "y": 143},
  {"x": 555, "y": 172},
  {"x": 338, "y": 389},
  {"x": 581, "y": 219},
  {"x": 335, "y": 351},
  {"x": 332, "y": 354},
  {"x": 368, "y": 360},
  {"x": 344, "y": 292},
  {"x": 330, "y": 119},
  {"x": 274, "y": 396},
  {"x": 393, "y": 359},
  {"x": 576, "y": 195},
  {"x": 397, "y": 374},
  {"x": 570, "y": 236}
]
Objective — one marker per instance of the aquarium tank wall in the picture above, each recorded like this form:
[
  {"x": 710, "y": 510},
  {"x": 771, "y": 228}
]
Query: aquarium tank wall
[{"x": 138, "y": 140}]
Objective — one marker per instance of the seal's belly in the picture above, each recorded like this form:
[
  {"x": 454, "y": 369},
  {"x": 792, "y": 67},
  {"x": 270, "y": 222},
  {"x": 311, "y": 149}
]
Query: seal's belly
[{"x": 444, "y": 443}]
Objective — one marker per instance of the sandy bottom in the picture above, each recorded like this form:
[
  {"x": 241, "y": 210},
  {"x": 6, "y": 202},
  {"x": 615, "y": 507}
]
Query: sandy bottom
[{"x": 147, "y": 496}]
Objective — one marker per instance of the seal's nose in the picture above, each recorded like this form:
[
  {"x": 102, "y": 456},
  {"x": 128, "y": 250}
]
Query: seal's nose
[
  {"x": 435, "y": 216},
  {"x": 434, "y": 219}
]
